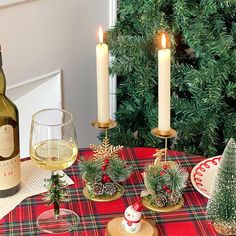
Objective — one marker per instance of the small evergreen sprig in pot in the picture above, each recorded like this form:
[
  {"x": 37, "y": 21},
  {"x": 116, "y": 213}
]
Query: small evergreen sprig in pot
[
  {"x": 103, "y": 175},
  {"x": 164, "y": 184}
]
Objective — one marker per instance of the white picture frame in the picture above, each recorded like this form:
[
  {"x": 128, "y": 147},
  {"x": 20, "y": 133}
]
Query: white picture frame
[{"x": 112, "y": 79}]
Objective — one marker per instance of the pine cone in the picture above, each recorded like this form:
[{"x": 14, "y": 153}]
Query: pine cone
[
  {"x": 174, "y": 198},
  {"x": 161, "y": 200},
  {"x": 98, "y": 189},
  {"x": 109, "y": 188},
  {"x": 225, "y": 230}
]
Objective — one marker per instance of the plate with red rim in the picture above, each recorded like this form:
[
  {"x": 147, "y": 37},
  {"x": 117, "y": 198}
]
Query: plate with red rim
[{"x": 203, "y": 174}]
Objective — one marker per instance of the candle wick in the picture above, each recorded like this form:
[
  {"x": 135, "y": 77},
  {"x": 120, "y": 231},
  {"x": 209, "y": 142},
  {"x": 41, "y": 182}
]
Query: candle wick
[{"x": 101, "y": 43}]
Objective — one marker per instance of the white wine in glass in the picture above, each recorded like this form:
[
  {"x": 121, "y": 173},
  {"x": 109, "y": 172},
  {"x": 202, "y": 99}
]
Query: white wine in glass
[
  {"x": 54, "y": 154},
  {"x": 53, "y": 147}
]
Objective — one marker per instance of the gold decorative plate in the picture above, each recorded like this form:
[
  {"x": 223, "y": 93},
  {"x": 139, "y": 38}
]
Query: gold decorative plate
[
  {"x": 171, "y": 208},
  {"x": 104, "y": 198}
]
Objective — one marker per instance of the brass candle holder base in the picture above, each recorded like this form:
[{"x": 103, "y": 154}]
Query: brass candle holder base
[
  {"x": 156, "y": 208},
  {"x": 103, "y": 198},
  {"x": 163, "y": 134},
  {"x": 171, "y": 133},
  {"x": 110, "y": 125}
]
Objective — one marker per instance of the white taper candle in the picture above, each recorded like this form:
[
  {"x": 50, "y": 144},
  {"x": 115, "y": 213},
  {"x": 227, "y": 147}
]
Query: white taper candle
[
  {"x": 164, "y": 87},
  {"x": 102, "y": 81}
]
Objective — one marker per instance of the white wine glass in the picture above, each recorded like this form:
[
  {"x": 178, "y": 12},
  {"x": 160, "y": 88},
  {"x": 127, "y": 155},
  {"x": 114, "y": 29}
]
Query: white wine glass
[{"x": 53, "y": 147}]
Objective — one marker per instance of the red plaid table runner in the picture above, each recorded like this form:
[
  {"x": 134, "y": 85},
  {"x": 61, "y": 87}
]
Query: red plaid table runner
[{"x": 188, "y": 221}]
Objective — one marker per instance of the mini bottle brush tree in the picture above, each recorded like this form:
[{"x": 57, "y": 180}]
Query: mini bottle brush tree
[
  {"x": 56, "y": 192},
  {"x": 221, "y": 209},
  {"x": 203, "y": 72}
]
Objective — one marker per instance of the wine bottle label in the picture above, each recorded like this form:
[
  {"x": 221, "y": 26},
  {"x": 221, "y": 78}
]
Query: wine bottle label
[
  {"x": 10, "y": 173},
  {"x": 6, "y": 141}
]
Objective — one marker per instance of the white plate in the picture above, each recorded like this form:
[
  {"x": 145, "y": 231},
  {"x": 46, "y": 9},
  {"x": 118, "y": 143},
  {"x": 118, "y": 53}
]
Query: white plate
[{"x": 203, "y": 174}]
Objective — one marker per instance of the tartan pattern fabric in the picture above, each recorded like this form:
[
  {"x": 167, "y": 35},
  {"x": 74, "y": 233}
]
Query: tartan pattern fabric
[{"x": 188, "y": 221}]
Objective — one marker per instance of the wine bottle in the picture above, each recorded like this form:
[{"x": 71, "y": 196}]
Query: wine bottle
[{"x": 9, "y": 142}]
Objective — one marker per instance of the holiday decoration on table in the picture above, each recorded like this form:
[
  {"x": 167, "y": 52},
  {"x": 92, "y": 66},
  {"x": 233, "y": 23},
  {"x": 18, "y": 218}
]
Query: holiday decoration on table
[
  {"x": 105, "y": 150},
  {"x": 131, "y": 223},
  {"x": 221, "y": 207},
  {"x": 164, "y": 182},
  {"x": 104, "y": 172},
  {"x": 203, "y": 97}
]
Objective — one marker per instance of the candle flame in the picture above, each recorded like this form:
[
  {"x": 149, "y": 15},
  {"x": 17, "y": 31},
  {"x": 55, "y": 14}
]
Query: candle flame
[
  {"x": 163, "y": 41},
  {"x": 100, "y": 34}
]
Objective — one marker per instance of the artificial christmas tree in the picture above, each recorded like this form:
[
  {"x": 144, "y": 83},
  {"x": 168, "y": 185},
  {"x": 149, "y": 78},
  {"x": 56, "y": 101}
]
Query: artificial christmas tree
[
  {"x": 203, "y": 72},
  {"x": 221, "y": 208}
]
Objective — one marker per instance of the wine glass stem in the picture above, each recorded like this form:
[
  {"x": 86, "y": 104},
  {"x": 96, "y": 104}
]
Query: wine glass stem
[{"x": 56, "y": 203}]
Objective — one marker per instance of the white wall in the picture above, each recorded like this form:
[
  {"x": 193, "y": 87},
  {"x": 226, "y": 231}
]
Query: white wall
[{"x": 44, "y": 35}]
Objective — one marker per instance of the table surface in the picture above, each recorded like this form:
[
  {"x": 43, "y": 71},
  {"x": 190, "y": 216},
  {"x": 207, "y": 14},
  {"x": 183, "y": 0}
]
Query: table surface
[{"x": 188, "y": 221}]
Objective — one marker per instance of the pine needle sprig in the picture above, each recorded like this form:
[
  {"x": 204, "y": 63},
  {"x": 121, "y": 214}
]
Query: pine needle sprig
[
  {"x": 153, "y": 181},
  {"x": 91, "y": 170},
  {"x": 178, "y": 178},
  {"x": 118, "y": 170}
]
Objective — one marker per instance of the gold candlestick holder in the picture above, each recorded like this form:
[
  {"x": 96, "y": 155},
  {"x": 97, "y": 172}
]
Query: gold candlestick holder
[
  {"x": 104, "y": 126},
  {"x": 104, "y": 151},
  {"x": 164, "y": 164},
  {"x": 163, "y": 135}
]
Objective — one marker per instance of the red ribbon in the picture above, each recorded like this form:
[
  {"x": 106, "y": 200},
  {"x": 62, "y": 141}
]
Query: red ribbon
[{"x": 129, "y": 222}]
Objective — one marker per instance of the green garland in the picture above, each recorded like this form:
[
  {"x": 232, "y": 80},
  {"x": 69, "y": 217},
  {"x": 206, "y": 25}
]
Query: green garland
[
  {"x": 103, "y": 175},
  {"x": 203, "y": 72},
  {"x": 164, "y": 183}
]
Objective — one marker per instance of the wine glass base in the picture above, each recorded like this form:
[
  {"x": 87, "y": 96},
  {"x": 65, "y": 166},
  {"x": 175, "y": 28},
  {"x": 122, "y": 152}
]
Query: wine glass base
[{"x": 66, "y": 221}]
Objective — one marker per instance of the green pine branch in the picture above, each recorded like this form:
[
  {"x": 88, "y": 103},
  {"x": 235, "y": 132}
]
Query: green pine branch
[
  {"x": 118, "y": 170},
  {"x": 203, "y": 77},
  {"x": 91, "y": 170}
]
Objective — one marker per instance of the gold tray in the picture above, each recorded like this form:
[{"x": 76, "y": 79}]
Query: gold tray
[
  {"x": 103, "y": 198},
  {"x": 171, "y": 208}
]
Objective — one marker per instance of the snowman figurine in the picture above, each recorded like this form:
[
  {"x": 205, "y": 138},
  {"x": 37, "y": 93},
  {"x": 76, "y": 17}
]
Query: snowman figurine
[{"x": 131, "y": 222}]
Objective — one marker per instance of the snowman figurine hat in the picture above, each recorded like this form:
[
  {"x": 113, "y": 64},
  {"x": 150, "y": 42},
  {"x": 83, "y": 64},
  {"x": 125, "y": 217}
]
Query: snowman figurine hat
[{"x": 138, "y": 206}]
